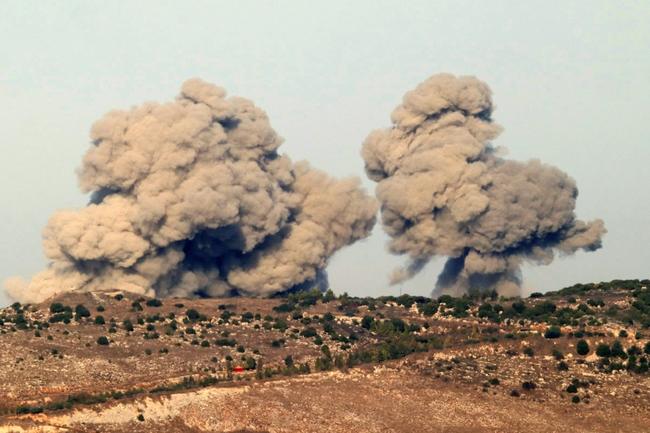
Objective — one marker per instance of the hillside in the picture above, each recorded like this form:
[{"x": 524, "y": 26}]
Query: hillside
[{"x": 575, "y": 359}]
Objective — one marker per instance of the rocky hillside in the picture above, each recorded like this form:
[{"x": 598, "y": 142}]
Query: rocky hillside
[{"x": 571, "y": 360}]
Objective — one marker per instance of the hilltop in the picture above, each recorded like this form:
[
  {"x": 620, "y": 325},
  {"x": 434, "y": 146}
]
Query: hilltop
[{"x": 574, "y": 359}]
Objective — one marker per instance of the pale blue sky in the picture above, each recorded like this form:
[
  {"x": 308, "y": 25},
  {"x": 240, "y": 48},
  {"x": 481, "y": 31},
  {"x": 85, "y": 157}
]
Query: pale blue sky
[{"x": 570, "y": 81}]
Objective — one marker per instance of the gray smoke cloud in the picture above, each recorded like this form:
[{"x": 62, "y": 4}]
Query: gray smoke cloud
[
  {"x": 191, "y": 198},
  {"x": 445, "y": 191}
]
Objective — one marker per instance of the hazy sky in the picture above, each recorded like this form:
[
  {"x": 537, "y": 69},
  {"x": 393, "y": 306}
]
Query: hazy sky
[{"x": 570, "y": 81}]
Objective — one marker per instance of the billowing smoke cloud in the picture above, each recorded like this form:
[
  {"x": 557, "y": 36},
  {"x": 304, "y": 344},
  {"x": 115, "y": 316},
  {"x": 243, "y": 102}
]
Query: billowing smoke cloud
[
  {"x": 445, "y": 191},
  {"x": 191, "y": 198}
]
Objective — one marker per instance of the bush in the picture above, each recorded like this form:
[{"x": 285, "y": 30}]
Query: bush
[
  {"x": 562, "y": 366},
  {"x": 250, "y": 363},
  {"x": 193, "y": 315},
  {"x": 646, "y": 348},
  {"x": 582, "y": 348},
  {"x": 603, "y": 350},
  {"x": 102, "y": 341},
  {"x": 225, "y": 342},
  {"x": 154, "y": 303},
  {"x": 528, "y": 385},
  {"x": 572, "y": 389},
  {"x": 309, "y": 332},
  {"x": 288, "y": 361},
  {"x": 99, "y": 320},
  {"x": 575, "y": 399},
  {"x": 128, "y": 326},
  {"x": 367, "y": 322},
  {"x": 57, "y": 307},
  {"x": 617, "y": 350},
  {"x": 553, "y": 332},
  {"x": 518, "y": 306},
  {"x": 329, "y": 296},
  {"x": 81, "y": 311},
  {"x": 529, "y": 351}
]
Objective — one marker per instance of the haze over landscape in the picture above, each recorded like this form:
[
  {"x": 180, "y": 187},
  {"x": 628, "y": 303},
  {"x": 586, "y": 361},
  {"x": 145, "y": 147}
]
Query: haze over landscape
[
  {"x": 279, "y": 217},
  {"x": 569, "y": 85}
]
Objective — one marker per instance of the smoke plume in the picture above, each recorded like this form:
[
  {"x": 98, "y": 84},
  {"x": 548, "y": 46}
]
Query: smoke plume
[
  {"x": 191, "y": 198},
  {"x": 445, "y": 191}
]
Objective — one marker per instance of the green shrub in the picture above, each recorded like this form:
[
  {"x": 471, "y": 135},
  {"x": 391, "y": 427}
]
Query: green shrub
[
  {"x": 102, "y": 341},
  {"x": 225, "y": 342},
  {"x": 518, "y": 306},
  {"x": 528, "y": 385},
  {"x": 617, "y": 350},
  {"x": 99, "y": 320},
  {"x": 582, "y": 347},
  {"x": 58, "y": 307},
  {"x": 128, "y": 326},
  {"x": 309, "y": 332},
  {"x": 250, "y": 363},
  {"x": 154, "y": 303},
  {"x": 603, "y": 350},
  {"x": 553, "y": 332},
  {"x": 193, "y": 315}
]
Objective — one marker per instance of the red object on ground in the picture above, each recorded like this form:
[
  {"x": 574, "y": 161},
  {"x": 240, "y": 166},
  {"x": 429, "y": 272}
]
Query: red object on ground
[{"x": 238, "y": 369}]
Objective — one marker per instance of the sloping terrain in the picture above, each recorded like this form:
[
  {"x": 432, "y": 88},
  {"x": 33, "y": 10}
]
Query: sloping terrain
[{"x": 573, "y": 360}]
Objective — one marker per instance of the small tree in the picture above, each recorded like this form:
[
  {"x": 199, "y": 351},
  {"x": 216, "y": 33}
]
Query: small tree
[
  {"x": 128, "y": 326},
  {"x": 553, "y": 332},
  {"x": 617, "y": 350},
  {"x": 366, "y": 322},
  {"x": 99, "y": 320},
  {"x": 329, "y": 296},
  {"x": 57, "y": 307},
  {"x": 288, "y": 361},
  {"x": 582, "y": 348},
  {"x": 81, "y": 311},
  {"x": 102, "y": 341},
  {"x": 193, "y": 315},
  {"x": 154, "y": 302},
  {"x": 603, "y": 350}
]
